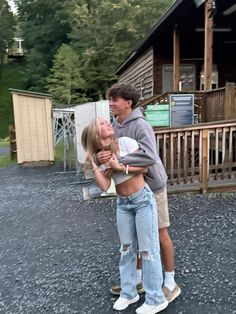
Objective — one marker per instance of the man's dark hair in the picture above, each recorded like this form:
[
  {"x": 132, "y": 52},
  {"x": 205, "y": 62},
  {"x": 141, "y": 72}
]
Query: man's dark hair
[{"x": 126, "y": 91}]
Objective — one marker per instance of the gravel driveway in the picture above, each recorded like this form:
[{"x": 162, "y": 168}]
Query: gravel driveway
[{"x": 59, "y": 254}]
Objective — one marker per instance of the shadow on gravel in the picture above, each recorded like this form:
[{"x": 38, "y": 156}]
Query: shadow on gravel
[{"x": 59, "y": 254}]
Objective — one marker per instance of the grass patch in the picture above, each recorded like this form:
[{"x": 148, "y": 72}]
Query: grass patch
[
  {"x": 6, "y": 161},
  {"x": 59, "y": 152},
  {"x": 69, "y": 155},
  {"x": 4, "y": 143}
]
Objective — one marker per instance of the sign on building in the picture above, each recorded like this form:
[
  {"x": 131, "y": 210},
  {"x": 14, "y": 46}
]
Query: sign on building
[{"x": 181, "y": 109}]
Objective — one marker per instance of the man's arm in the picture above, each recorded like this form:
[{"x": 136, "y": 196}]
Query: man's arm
[
  {"x": 146, "y": 156},
  {"x": 115, "y": 165}
]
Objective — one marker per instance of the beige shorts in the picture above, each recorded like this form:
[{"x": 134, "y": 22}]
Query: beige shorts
[{"x": 163, "y": 211}]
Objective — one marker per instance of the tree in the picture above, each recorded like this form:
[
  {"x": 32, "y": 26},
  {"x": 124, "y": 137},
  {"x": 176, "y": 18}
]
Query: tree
[
  {"x": 104, "y": 32},
  {"x": 65, "y": 82},
  {"x": 44, "y": 28},
  {"x": 7, "y": 28}
]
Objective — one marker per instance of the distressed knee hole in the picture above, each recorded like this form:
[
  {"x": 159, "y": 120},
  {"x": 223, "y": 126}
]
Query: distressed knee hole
[
  {"x": 145, "y": 254},
  {"x": 125, "y": 248}
]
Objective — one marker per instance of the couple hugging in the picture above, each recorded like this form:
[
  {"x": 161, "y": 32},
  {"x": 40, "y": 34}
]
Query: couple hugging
[{"x": 126, "y": 152}]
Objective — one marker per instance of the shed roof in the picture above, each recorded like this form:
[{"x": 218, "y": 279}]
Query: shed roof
[{"x": 29, "y": 93}]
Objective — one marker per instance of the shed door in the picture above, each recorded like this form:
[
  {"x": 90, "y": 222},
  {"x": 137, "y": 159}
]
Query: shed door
[{"x": 33, "y": 123}]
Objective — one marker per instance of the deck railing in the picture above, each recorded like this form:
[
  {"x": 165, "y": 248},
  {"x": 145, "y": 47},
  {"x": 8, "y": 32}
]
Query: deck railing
[
  {"x": 202, "y": 155},
  {"x": 214, "y": 105}
]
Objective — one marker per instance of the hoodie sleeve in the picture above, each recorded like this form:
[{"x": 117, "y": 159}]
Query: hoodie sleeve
[{"x": 146, "y": 156}]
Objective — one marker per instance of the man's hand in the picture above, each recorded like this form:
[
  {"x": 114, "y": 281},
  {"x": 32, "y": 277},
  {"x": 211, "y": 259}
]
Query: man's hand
[{"x": 104, "y": 156}]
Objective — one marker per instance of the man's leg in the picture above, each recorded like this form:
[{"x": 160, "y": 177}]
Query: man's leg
[
  {"x": 167, "y": 254},
  {"x": 170, "y": 287}
]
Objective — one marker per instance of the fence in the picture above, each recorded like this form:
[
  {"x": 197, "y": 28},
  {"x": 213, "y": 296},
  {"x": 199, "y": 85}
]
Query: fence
[
  {"x": 199, "y": 157},
  {"x": 214, "y": 105},
  {"x": 64, "y": 133}
]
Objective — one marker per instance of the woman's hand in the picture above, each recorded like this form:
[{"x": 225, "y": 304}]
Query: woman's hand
[
  {"x": 92, "y": 162},
  {"x": 114, "y": 163}
]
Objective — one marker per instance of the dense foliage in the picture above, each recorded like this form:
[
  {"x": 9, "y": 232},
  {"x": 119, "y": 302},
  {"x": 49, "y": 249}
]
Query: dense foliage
[
  {"x": 102, "y": 33},
  {"x": 7, "y": 28},
  {"x": 65, "y": 82}
]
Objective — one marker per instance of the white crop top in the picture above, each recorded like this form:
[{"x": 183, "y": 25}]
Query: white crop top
[{"x": 127, "y": 145}]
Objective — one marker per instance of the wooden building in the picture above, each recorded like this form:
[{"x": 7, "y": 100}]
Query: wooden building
[{"x": 192, "y": 47}]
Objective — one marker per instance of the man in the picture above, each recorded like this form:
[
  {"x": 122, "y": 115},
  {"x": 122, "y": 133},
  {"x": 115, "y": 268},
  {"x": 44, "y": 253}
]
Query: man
[{"x": 130, "y": 122}]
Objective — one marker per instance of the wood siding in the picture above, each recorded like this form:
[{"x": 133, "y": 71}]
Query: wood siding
[
  {"x": 158, "y": 74},
  {"x": 140, "y": 74}
]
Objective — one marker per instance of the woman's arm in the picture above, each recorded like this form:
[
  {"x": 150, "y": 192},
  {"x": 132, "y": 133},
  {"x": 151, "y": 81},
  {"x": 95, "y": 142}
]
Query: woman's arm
[{"x": 102, "y": 181}]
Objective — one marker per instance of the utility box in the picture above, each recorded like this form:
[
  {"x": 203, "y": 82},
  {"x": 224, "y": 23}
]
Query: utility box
[
  {"x": 158, "y": 115},
  {"x": 33, "y": 127}
]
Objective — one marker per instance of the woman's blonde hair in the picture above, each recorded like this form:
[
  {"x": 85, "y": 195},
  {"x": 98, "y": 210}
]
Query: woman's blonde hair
[
  {"x": 92, "y": 142},
  {"x": 91, "y": 137}
]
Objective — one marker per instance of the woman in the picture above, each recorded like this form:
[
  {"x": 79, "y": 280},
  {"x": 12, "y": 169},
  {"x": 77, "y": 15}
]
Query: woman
[{"x": 136, "y": 216}]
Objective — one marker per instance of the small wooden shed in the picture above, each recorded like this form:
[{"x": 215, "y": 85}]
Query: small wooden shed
[{"x": 33, "y": 125}]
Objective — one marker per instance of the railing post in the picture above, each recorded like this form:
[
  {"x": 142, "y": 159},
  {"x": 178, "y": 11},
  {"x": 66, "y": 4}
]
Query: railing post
[
  {"x": 204, "y": 161},
  {"x": 230, "y": 102},
  {"x": 203, "y": 108}
]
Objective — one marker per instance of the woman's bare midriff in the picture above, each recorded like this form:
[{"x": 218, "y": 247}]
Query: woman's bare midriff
[{"x": 130, "y": 186}]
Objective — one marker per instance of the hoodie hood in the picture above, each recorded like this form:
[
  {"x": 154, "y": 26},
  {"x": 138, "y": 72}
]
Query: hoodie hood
[{"x": 134, "y": 115}]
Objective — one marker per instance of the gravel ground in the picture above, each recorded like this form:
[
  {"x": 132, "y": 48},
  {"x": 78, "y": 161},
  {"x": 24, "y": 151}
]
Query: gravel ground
[{"x": 59, "y": 254}]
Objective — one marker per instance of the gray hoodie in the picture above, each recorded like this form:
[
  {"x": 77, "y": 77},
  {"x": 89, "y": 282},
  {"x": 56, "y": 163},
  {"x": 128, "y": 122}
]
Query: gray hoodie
[{"x": 136, "y": 127}]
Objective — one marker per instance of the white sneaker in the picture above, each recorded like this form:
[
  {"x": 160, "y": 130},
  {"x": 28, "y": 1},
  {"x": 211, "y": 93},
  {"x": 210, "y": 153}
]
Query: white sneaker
[
  {"x": 151, "y": 309},
  {"x": 123, "y": 303}
]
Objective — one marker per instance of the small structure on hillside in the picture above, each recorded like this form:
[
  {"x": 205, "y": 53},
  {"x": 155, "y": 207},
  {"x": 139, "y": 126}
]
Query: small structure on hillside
[{"x": 17, "y": 49}]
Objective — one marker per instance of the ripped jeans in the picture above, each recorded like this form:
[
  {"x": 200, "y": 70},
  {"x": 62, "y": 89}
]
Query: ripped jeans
[{"x": 138, "y": 231}]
